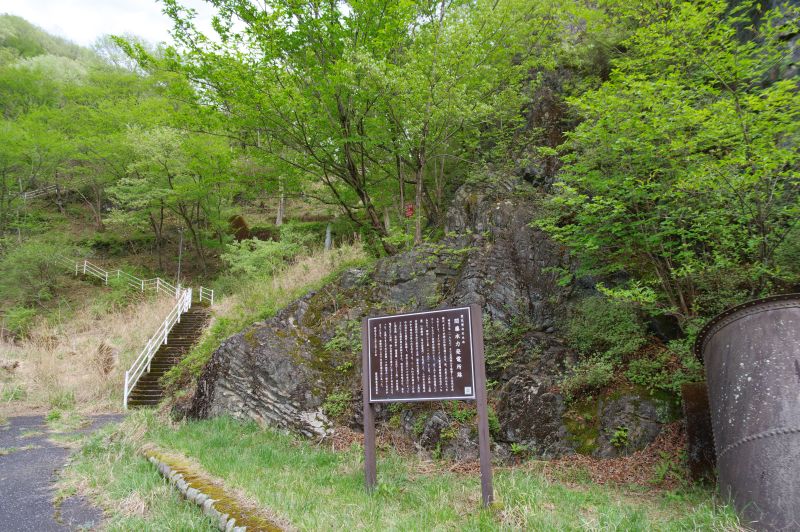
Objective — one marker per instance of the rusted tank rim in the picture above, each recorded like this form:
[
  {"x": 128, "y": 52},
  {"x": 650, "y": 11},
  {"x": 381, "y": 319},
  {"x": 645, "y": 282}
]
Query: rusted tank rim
[{"x": 726, "y": 317}]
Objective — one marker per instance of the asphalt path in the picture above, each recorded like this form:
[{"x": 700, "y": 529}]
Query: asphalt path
[{"x": 28, "y": 473}]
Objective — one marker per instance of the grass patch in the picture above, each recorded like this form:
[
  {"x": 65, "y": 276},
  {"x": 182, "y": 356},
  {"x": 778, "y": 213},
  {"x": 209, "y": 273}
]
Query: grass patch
[
  {"x": 260, "y": 298},
  {"x": 5, "y": 451},
  {"x": 12, "y": 392},
  {"x": 65, "y": 420},
  {"x": 317, "y": 489},
  {"x": 55, "y": 367},
  {"x": 109, "y": 470}
]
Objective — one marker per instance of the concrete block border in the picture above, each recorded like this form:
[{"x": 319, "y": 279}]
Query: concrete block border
[{"x": 218, "y": 513}]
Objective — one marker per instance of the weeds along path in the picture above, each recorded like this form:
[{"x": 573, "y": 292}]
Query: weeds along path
[
  {"x": 32, "y": 451},
  {"x": 78, "y": 357},
  {"x": 142, "y": 385}
]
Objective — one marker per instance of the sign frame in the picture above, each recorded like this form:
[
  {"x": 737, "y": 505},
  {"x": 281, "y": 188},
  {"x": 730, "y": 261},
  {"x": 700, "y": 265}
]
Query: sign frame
[
  {"x": 463, "y": 397},
  {"x": 475, "y": 319}
]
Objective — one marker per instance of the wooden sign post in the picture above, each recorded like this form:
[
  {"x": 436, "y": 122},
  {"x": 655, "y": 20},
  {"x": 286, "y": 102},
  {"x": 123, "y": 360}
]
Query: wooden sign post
[{"x": 425, "y": 356}]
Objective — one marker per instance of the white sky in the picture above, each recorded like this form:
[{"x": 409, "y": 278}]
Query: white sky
[{"x": 82, "y": 21}]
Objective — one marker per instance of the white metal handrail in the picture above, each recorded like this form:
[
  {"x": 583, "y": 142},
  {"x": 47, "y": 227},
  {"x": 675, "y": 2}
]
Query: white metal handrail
[
  {"x": 142, "y": 363},
  {"x": 49, "y": 189},
  {"x": 184, "y": 303},
  {"x": 206, "y": 294},
  {"x": 87, "y": 268}
]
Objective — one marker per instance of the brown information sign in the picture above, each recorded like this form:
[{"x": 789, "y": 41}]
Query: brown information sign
[{"x": 423, "y": 356}]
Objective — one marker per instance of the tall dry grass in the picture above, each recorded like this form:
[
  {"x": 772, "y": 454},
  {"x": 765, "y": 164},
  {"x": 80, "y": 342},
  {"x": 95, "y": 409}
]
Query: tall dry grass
[
  {"x": 252, "y": 299},
  {"x": 306, "y": 271},
  {"x": 79, "y": 361}
]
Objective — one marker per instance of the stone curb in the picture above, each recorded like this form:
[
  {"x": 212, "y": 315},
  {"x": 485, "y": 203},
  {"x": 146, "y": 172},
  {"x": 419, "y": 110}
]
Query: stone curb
[{"x": 224, "y": 521}]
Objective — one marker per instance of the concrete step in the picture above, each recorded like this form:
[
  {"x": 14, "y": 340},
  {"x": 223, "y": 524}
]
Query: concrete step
[
  {"x": 142, "y": 404},
  {"x": 148, "y": 391},
  {"x": 146, "y": 395}
]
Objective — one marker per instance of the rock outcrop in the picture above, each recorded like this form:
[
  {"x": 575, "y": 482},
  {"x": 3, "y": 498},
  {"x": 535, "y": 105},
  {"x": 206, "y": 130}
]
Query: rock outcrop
[{"x": 300, "y": 370}]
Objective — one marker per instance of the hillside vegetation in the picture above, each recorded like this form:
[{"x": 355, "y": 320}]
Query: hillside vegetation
[{"x": 647, "y": 153}]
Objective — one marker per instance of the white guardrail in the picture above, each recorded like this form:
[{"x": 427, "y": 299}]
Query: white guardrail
[
  {"x": 52, "y": 189},
  {"x": 157, "y": 283},
  {"x": 183, "y": 295},
  {"x": 142, "y": 363},
  {"x": 39, "y": 192}
]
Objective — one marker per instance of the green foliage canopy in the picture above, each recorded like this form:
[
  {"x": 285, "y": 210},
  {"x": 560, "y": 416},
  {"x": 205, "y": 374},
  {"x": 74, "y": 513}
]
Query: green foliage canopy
[{"x": 683, "y": 173}]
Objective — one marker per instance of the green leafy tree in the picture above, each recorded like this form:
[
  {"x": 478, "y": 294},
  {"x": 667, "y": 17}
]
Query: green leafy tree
[
  {"x": 186, "y": 176},
  {"x": 684, "y": 173},
  {"x": 357, "y": 100}
]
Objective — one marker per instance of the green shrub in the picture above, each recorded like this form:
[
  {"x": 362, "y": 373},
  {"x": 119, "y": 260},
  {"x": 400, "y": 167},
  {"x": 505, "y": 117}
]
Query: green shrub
[
  {"x": 13, "y": 392},
  {"x": 494, "y": 423},
  {"x": 19, "y": 320},
  {"x": 787, "y": 256},
  {"x": 519, "y": 449},
  {"x": 620, "y": 437},
  {"x": 460, "y": 412},
  {"x": 62, "y": 400},
  {"x": 118, "y": 295},
  {"x": 337, "y": 404},
  {"x": 30, "y": 275},
  {"x": 667, "y": 370},
  {"x": 259, "y": 258},
  {"x": 419, "y": 424},
  {"x": 400, "y": 238},
  {"x": 588, "y": 375},
  {"x": 347, "y": 338},
  {"x": 303, "y": 234},
  {"x": 503, "y": 343},
  {"x": 599, "y": 326}
]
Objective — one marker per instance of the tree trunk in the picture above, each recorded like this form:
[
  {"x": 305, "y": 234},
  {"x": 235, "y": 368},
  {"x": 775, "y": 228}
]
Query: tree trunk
[
  {"x": 418, "y": 200},
  {"x": 157, "y": 231},
  {"x": 281, "y": 206}
]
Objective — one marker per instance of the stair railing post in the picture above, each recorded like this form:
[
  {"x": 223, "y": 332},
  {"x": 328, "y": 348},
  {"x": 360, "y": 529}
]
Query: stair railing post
[
  {"x": 84, "y": 266},
  {"x": 125, "y": 397},
  {"x": 165, "y": 331},
  {"x": 106, "y": 278}
]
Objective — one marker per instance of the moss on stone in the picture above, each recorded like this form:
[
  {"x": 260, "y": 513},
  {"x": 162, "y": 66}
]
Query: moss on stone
[
  {"x": 250, "y": 337},
  {"x": 223, "y": 502},
  {"x": 582, "y": 422}
]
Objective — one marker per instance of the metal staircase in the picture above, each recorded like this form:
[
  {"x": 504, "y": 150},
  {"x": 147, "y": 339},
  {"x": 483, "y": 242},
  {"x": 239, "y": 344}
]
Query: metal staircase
[
  {"x": 147, "y": 391},
  {"x": 178, "y": 332}
]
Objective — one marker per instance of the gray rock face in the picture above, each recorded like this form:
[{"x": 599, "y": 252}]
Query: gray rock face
[
  {"x": 511, "y": 273},
  {"x": 256, "y": 375},
  {"x": 432, "y": 432},
  {"x": 282, "y": 371},
  {"x": 530, "y": 414},
  {"x": 627, "y": 424}
]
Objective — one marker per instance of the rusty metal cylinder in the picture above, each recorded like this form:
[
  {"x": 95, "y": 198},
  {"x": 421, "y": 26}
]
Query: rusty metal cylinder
[{"x": 752, "y": 361}]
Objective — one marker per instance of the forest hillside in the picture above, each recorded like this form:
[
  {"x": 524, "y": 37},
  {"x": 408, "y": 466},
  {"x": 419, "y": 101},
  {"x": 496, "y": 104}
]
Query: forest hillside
[{"x": 601, "y": 178}]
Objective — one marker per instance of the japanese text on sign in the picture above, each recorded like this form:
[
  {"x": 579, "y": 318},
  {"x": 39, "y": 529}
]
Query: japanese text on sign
[{"x": 421, "y": 356}]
